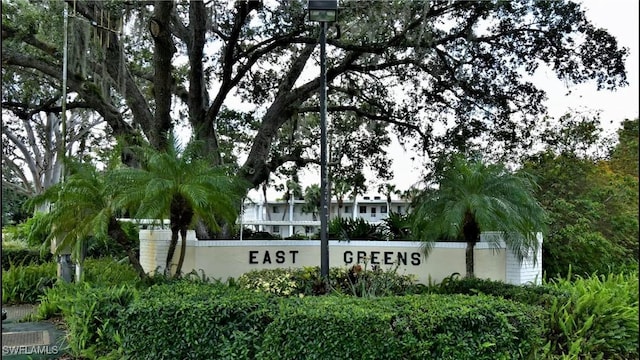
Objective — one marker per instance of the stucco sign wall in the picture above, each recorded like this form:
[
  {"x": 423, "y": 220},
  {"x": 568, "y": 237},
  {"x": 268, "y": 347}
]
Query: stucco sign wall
[{"x": 224, "y": 259}]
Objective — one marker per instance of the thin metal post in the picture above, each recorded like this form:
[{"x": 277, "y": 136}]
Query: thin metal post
[{"x": 324, "y": 241}]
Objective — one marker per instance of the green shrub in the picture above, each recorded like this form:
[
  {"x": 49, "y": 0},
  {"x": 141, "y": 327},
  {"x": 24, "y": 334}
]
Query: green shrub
[
  {"x": 409, "y": 327},
  {"x": 24, "y": 284},
  {"x": 195, "y": 320},
  {"x": 20, "y": 256},
  {"x": 356, "y": 280},
  {"x": 355, "y": 229},
  {"x": 99, "y": 273},
  {"x": 92, "y": 317},
  {"x": 528, "y": 294},
  {"x": 107, "y": 271},
  {"x": 599, "y": 320}
]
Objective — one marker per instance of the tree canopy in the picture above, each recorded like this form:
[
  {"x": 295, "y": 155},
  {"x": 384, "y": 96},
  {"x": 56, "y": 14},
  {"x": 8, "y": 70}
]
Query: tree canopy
[
  {"x": 242, "y": 75},
  {"x": 592, "y": 205}
]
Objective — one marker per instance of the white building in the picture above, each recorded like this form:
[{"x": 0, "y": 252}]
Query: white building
[{"x": 287, "y": 218}]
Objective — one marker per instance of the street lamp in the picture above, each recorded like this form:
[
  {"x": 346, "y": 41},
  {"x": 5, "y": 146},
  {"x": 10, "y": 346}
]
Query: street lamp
[{"x": 323, "y": 11}]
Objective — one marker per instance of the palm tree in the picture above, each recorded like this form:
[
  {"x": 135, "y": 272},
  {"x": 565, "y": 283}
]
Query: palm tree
[
  {"x": 293, "y": 191},
  {"x": 340, "y": 189},
  {"x": 178, "y": 184},
  {"x": 312, "y": 200},
  {"x": 82, "y": 207},
  {"x": 472, "y": 197},
  {"x": 388, "y": 190}
]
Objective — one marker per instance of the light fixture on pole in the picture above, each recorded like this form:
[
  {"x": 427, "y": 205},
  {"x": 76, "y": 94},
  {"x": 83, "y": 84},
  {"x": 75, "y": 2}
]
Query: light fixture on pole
[{"x": 323, "y": 11}]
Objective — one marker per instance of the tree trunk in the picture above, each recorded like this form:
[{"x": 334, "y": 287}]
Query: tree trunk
[
  {"x": 469, "y": 260},
  {"x": 171, "y": 250},
  {"x": 183, "y": 250},
  {"x": 116, "y": 233}
]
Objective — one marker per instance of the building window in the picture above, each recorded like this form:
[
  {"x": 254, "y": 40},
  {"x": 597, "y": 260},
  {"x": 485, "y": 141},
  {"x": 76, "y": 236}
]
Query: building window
[
  {"x": 276, "y": 209},
  {"x": 373, "y": 212},
  {"x": 307, "y": 229},
  {"x": 276, "y": 229},
  {"x": 399, "y": 209},
  {"x": 347, "y": 209},
  {"x": 383, "y": 209},
  {"x": 363, "y": 209}
]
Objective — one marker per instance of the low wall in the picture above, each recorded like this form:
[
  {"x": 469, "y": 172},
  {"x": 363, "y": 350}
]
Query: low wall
[{"x": 222, "y": 259}]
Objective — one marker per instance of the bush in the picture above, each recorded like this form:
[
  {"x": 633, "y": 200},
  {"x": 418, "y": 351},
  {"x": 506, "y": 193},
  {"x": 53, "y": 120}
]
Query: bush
[
  {"x": 107, "y": 272},
  {"x": 91, "y": 314},
  {"x": 24, "y": 284},
  {"x": 410, "y": 327},
  {"x": 599, "y": 320},
  {"x": 16, "y": 256},
  {"x": 355, "y": 229},
  {"x": 356, "y": 281},
  {"x": 189, "y": 320},
  {"x": 527, "y": 294}
]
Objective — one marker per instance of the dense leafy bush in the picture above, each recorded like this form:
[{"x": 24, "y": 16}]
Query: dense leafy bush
[
  {"x": 356, "y": 280},
  {"x": 189, "y": 320},
  {"x": 527, "y": 294},
  {"x": 107, "y": 271},
  {"x": 355, "y": 229},
  {"x": 248, "y": 234},
  {"x": 24, "y": 284},
  {"x": 599, "y": 320},
  {"x": 410, "y": 327},
  {"x": 91, "y": 314},
  {"x": 13, "y": 256}
]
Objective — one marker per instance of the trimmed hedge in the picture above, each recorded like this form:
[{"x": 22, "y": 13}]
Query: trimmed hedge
[
  {"x": 410, "y": 327},
  {"x": 187, "y": 320},
  {"x": 542, "y": 295}
]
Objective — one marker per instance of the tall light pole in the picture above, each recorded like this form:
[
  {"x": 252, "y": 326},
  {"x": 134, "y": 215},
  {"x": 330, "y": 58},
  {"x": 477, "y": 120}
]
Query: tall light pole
[{"x": 323, "y": 11}]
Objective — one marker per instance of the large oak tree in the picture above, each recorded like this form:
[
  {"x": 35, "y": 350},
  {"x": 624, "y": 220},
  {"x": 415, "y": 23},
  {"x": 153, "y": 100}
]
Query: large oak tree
[{"x": 406, "y": 68}]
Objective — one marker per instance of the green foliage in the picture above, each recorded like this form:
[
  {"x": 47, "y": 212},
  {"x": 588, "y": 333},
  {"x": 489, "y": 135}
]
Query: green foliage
[
  {"x": 624, "y": 156},
  {"x": 109, "y": 272},
  {"x": 27, "y": 283},
  {"x": 593, "y": 214},
  {"x": 28, "y": 232},
  {"x": 186, "y": 320},
  {"x": 355, "y": 229},
  {"x": 24, "y": 284},
  {"x": 180, "y": 184},
  {"x": 13, "y": 211},
  {"x": 527, "y": 294},
  {"x": 360, "y": 281},
  {"x": 279, "y": 282},
  {"x": 398, "y": 226},
  {"x": 20, "y": 256},
  {"x": 473, "y": 197},
  {"x": 599, "y": 320},
  {"x": 297, "y": 236},
  {"x": 355, "y": 281},
  {"x": 92, "y": 316},
  {"x": 410, "y": 327},
  {"x": 248, "y": 234}
]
